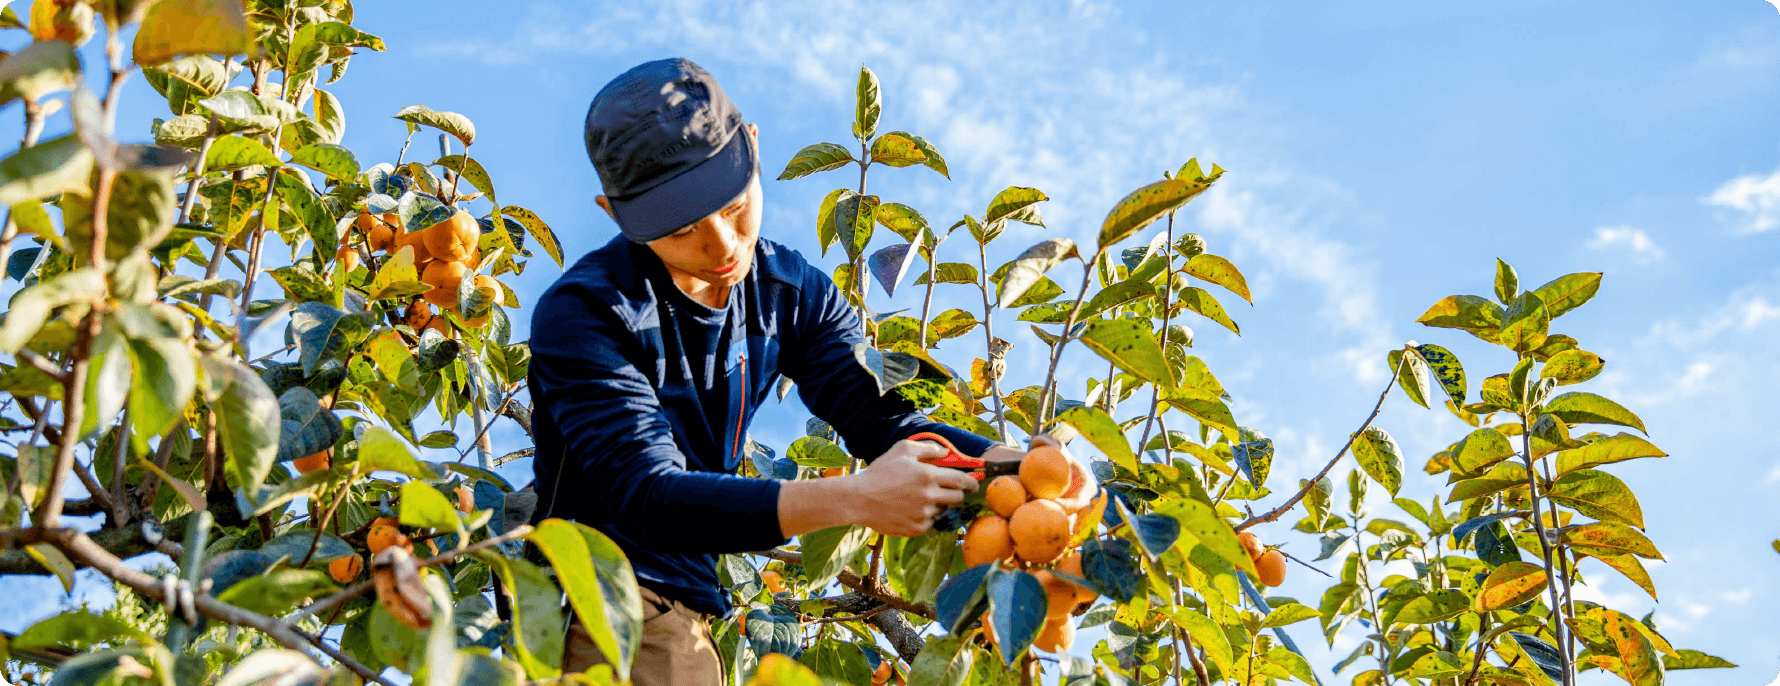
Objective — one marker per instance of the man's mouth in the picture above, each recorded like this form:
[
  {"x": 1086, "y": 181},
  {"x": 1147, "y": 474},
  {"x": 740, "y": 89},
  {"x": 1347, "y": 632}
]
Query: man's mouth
[{"x": 727, "y": 268}]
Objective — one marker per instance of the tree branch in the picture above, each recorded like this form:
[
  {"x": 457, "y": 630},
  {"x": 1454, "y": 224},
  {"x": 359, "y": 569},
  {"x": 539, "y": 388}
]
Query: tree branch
[
  {"x": 853, "y": 581},
  {"x": 521, "y": 414},
  {"x": 359, "y": 589},
  {"x": 1285, "y": 507}
]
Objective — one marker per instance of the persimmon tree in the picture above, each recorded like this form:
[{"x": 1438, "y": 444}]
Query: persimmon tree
[{"x": 262, "y": 425}]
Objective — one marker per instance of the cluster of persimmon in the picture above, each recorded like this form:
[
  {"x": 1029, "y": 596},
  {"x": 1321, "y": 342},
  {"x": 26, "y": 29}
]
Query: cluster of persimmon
[
  {"x": 393, "y": 563},
  {"x": 444, "y": 255},
  {"x": 1026, "y": 527},
  {"x": 1270, "y": 564}
]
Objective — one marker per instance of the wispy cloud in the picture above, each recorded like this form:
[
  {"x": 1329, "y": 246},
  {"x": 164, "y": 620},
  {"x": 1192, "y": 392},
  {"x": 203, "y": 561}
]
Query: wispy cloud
[
  {"x": 1017, "y": 95},
  {"x": 1623, "y": 237},
  {"x": 1753, "y": 201}
]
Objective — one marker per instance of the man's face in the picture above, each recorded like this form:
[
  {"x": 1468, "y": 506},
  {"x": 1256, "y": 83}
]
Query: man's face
[{"x": 718, "y": 249}]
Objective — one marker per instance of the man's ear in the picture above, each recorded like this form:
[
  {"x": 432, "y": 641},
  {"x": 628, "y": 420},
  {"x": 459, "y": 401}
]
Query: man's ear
[
  {"x": 607, "y": 206},
  {"x": 754, "y": 130}
]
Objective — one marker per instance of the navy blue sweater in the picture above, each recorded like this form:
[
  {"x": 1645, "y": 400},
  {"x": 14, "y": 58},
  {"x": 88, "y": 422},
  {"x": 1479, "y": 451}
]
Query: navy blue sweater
[{"x": 638, "y": 436}]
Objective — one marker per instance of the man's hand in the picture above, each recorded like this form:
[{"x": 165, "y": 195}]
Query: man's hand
[{"x": 900, "y": 495}]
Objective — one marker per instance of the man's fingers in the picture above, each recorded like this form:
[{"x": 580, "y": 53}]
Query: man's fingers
[
  {"x": 954, "y": 479},
  {"x": 946, "y": 496},
  {"x": 922, "y": 450}
]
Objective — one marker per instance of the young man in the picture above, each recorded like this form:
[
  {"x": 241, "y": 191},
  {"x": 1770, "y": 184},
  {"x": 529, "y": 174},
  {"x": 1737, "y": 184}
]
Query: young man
[{"x": 651, "y": 355}]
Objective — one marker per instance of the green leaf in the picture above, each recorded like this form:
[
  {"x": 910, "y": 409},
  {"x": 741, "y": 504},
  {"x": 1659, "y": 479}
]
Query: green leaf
[
  {"x": 930, "y": 155},
  {"x": 309, "y": 45},
  {"x": 323, "y": 331},
  {"x": 78, "y": 630},
  {"x": 1435, "y": 607},
  {"x": 1446, "y": 369},
  {"x": 397, "y": 278},
  {"x": 816, "y": 452},
  {"x": 827, "y": 551},
  {"x": 247, "y": 420},
  {"x": 52, "y": 559},
  {"x": 380, "y": 450},
  {"x": 819, "y": 157},
  {"x": 1572, "y": 367},
  {"x": 539, "y": 231},
  {"x": 1288, "y": 614},
  {"x": 1206, "y": 634},
  {"x": 449, "y": 122},
  {"x": 866, "y": 106},
  {"x": 1201, "y": 301},
  {"x": 896, "y": 150},
  {"x": 1219, "y": 271},
  {"x": 425, "y": 507},
  {"x": 1481, "y": 449},
  {"x": 1525, "y": 324},
  {"x": 187, "y": 27},
  {"x": 1476, "y": 315},
  {"x": 292, "y": 545},
  {"x": 1100, "y": 429},
  {"x": 1690, "y": 659},
  {"x": 575, "y": 551},
  {"x": 1617, "y": 448},
  {"x": 903, "y": 220},
  {"x": 1611, "y": 539},
  {"x": 854, "y": 217},
  {"x": 39, "y": 69},
  {"x": 236, "y": 152},
  {"x": 306, "y": 427},
  {"x": 1568, "y": 292},
  {"x": 924, "y": 562},
  {"x": 1012, "y": 202},
  {"x": 279, "y": 590},
  {"x": 469, "y": 170},
  {"x": 1499, "y": 478},
  {"x": 1411, "y": 377},
  {"x": 1116, "y": 295},
  {"x": 58, "y": 165},
  {"x": 32, "y": 306},
  {"x": 1587, "y": 408},
  {"x": 1378, "y": 455},
  {"x": 1146, "y": 205},
  {"x": 943, "y": 661},
  {"x": 1129, "y": 345},
  {"x": 1509, "y": 585},
  {"x": 336, "y": 161},
  {"x": 1027, "y": 269},
  {"x": 827, "y": 224},
  {"x": 837, "y": 662},
  {"x": 1507, "y": 282},
  {"x": 1017, "y": 604},
  {"x": 243, "y": 111},
  {"x": 1599, "y": 495},
  {"x": 1294, "y": 664},
  {"x": 1438, "y": 665},
  {"x": 1201, "y": 520}
]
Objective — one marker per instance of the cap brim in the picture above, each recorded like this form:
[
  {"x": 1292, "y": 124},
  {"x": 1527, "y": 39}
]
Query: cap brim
[{"x": 692, "y": 195}]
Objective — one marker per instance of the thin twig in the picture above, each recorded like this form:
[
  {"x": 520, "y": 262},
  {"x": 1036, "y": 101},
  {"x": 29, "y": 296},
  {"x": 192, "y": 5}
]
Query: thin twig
[
  {"x": 1285, "y": 507},
  {"x": 849, "y": 618},
  {"x": 1047, "y": 403}
]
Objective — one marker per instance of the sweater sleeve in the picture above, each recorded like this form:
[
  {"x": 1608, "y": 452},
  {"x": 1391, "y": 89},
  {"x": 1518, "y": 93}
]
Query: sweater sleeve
[
  {"x": 621, "y": 464},
  {"x": 836, "y": 387}
]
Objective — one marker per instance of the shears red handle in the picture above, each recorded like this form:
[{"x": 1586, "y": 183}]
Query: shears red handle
[{"x": 977, "y": 467}]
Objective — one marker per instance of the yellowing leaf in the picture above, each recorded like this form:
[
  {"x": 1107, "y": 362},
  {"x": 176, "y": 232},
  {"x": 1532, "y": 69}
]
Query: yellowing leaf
[
  {"x": 1219, "y": 271},
  {"x": 1146, "y": 205},
  {"x": 1509, "y": 585},
  {"x": 1607, "y": 450},
  {"x": 185, "y": 27}
]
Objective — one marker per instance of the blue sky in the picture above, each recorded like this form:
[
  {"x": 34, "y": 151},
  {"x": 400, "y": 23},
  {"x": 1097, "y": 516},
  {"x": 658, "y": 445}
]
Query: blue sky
[{"x": 1381, "y": 155}]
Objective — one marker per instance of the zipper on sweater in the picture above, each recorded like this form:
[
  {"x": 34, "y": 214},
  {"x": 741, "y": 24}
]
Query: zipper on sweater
[{"x": 740, "y": 409}]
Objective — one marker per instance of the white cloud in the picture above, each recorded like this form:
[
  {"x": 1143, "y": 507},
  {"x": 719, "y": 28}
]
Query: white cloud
[
  {"x": 1016, "y": 96},
  {"x": 1644, "y": 250},
  {"x": 1754, "y": 200}
]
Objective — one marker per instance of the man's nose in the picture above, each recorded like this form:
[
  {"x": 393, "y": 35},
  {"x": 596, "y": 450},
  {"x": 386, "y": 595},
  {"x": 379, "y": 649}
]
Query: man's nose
[{"x": 723, "y": 241}]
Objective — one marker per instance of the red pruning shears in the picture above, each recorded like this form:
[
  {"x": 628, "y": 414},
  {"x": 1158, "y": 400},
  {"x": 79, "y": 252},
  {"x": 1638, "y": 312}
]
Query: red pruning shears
[{"x": 976, "y": 467}]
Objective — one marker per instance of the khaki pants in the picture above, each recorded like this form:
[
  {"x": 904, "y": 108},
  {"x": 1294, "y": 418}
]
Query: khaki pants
[{"x": 677, "y": 647}]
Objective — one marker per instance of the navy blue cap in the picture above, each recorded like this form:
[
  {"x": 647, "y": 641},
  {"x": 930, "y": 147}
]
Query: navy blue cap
[{"x": 669, "y": 147}]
